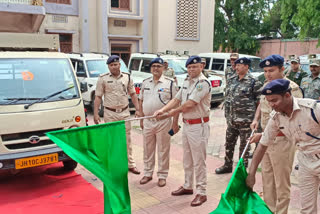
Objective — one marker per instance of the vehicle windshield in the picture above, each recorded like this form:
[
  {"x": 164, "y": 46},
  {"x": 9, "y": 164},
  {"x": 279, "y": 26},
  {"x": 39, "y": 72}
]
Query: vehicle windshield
[
  {"x": 99, "y": 66},
  {"x": 178, "y": 65},
  {"x": 25, "y": 80},
  {"x": 255, "y": 65}
]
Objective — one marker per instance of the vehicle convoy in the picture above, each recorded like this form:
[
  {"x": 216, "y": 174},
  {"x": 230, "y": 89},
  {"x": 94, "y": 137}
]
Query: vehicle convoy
[
  {"x": 140, "y": 70},
  {"x": 39, "y": 93},
  {"x": 88, "y": 67}
]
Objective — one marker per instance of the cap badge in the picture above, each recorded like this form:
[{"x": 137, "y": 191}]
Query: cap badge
[
  {"x": 194, "y": 61},
  {"x": 267, "y": 62},
  {"x": 269, "y": 91},
  {"x": 241, "y": 61},
  {"x": 160, "y": 61}
]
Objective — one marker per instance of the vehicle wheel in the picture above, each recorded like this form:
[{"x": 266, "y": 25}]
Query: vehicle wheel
[
  {"x": 100, "y": 109},
  {"x": 69, "y": 165}
]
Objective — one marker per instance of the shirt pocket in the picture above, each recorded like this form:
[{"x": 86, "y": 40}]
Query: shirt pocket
[{"x": 164, "y": 95}]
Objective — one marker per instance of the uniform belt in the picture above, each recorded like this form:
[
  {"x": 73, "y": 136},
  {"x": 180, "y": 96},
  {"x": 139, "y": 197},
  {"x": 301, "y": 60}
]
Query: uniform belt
[
  {"x": 196, "y": 121},
  {"x": 280, "y": 134},
  {"x": 118, "y": 110}
]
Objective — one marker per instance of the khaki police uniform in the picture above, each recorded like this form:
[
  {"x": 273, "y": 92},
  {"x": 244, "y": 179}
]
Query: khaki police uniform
[
  {"x": 115, "y": 91},
  {"x": 196, "y": 131},
  {"x": 277, "y": 162},
  {"x": 155, "y": 133},
  {"x": 302, "y": 129}
]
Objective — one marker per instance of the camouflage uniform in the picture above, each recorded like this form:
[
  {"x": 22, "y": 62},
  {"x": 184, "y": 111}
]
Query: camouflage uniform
[
  {"x": 205, "y": 73},
  {"x": 311, "y": 87},
  {"x": 229, "y": 72},
  {"x": 295, "y": 76},
  {"x": 169, "y": 73},
  {"x": 243, "y": 96}
]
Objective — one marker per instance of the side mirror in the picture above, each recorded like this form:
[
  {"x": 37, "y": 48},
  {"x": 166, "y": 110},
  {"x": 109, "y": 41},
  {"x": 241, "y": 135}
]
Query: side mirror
[
  {"x": 83, "y": 87},
  {"x": 81, "y": 74}
]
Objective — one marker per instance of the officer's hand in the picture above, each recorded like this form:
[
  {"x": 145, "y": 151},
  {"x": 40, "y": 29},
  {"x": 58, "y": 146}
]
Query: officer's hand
[
  {"x": 251, "y": 180},
  {"x": 255, "y": 138},
  {"x": 138, "y": 114},
  {"x": 96, "y": 119},
  {"x": 175, "y": 128},
  {"x": 254, "y": 125},
  {"x": 141, "y": 124},
  {"x": 158, "y": 112},
  {"x": 163, "y": 116}
]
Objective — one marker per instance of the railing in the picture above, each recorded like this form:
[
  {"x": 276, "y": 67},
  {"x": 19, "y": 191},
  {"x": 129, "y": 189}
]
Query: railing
[{"x": 28, "y": 2}]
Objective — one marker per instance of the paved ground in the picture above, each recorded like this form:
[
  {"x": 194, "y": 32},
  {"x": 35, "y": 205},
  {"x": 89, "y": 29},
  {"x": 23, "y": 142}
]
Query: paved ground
[{"x": 150, "y": 198}]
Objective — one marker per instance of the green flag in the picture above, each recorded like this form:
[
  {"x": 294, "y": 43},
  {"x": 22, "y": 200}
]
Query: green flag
[
  {"x": 102, "y": 149},
  {"x": 238, "y": 198}
]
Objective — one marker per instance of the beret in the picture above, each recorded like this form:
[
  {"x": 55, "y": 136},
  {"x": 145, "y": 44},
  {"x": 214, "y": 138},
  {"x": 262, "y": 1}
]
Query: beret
[
  {"x": 272, "y": 60},
  {"x": 113, "y": 58},
  {"x": 157, "y": 60},
  {"x": 277, "y": 86},
  {"x": 243, "y": 60},
  {"x": 193, "y": 60}
]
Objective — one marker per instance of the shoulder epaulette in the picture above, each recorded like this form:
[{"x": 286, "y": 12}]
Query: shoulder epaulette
[
  {"x": 101, "y": 75},
  {"x": 309, "y": 103},
  {"x": 273, "y": 114},
  {"x": 125, "y": 73},
  {"x": 168, "y": 78},
  {"x": 147, "y": 79}
]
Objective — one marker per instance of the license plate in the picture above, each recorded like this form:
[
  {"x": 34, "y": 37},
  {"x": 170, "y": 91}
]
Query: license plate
[{"x": 36, "y": 161}]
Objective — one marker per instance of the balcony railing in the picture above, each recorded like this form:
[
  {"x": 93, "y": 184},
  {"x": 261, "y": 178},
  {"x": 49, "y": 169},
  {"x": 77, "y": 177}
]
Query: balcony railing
[{"x": 28, "y": 2}]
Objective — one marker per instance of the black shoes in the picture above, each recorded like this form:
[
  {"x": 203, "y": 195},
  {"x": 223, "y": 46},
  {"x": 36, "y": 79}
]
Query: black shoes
[{"x": 224, "y": 169}]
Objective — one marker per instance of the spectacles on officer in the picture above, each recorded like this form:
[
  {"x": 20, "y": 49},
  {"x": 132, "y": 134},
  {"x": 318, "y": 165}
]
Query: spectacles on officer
[{"x": 156, "y": 66}]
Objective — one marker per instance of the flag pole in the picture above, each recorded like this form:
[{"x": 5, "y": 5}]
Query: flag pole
[
  {"x": 248, "y": 142},
  {"x": 139, "y": 118}
]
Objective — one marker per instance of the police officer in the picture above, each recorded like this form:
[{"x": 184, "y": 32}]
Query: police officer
[
  {"x": 298, "y": 120},
  {"x": 204, "y": 72},
  {"x": 275, "y": 176},
  {"x": 169, "y": 72},
  {"x": 156, "y": 92},
  {"x": 311, "y": 83},
  {"x": 243, "y": 90},
  {"x": 115, "y": 88},
  {"x": 231, "y": 70},
  {"x": 194, "y": 97},
  {"x": 295, "y": 73}
]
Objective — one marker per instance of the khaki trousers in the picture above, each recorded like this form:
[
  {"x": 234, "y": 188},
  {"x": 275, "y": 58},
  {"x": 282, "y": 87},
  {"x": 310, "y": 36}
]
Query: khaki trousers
[
  {"x": 194, "y": 142},
  {"x": 155, "y": 133},
  {"x": 276, "y": 169},
  {"x": 309, "y": 181},
  {"x": 110, "y": 116}
]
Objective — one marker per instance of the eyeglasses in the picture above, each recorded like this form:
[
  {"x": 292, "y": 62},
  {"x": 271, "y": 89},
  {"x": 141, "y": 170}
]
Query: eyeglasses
[{"x": 156, "y": 66}]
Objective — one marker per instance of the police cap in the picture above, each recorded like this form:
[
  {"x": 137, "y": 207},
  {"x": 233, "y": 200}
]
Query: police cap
[
  {"x": 193, "y": 60},
  {"x": 243, "y": 60},
  {"x": 272, "y": 60},
  {"x": 157, "y": 60},
  {"x": 113, "y": 58},
  {"x": 277, "y": 86}
]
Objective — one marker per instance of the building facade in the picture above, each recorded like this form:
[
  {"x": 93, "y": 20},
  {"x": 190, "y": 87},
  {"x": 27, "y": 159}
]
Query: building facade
[{"x": 127, "y": 26}]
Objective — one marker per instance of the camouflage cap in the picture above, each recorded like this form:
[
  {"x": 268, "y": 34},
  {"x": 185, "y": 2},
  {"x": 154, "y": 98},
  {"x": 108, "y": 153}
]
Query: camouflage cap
[
  {"x": 315, "y": 62},
  {"x": 294, "y": 58},
  {"x": 234, "y": 56}
]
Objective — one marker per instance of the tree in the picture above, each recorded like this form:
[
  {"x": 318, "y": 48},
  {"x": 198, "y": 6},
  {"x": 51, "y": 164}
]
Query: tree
[{"x": 238, "y": 23}]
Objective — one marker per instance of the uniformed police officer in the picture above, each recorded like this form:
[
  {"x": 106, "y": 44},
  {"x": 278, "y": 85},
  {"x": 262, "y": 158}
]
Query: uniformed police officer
[
  {"x": 156, "y": 92},
  {"x": 194, "y": 97},
  {"x": 275, "y": 176},
  {"x": 311, "y": 83},
  {"x": 231, "y": 70},
  {"x": 295, "y": 73},
  {"x": 204, "y": 72},
  {"x": 298, "y": 120},
  {"x": 115, "y": 87},
  {"x": 243, "y": 90},
  {"x": 169, "y": 72}
]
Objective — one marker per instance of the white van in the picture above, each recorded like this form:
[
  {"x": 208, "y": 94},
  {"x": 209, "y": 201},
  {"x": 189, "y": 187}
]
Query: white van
[
  {"x": 218, "y": 62},
  {"x": 139, "y": 69},
  {"x": 88, "y": 67}
]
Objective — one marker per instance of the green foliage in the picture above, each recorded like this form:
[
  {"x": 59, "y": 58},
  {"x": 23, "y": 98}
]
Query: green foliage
[{"x": 237, "y": 24}]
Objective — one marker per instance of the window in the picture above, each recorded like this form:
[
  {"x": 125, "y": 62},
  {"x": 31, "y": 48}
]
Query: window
[
  {"x": 121, "y": 4},
  {"x": 59, "y": 1},
  {"x": 218, "y": 64},
  {"x": 145, "y": 66},
  {"x": 134, "y": 65}
]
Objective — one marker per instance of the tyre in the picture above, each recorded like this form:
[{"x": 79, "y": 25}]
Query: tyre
[{"x": 69, "y": 165}]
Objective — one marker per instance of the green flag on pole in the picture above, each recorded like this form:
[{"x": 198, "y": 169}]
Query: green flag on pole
[
  {"x": 102, "y": 149},
  {"x": 238, "y": 198}
]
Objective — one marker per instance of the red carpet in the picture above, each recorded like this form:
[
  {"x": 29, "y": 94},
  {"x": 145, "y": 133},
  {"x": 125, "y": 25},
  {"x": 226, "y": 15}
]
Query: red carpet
[{"x": 48, "y": 190}]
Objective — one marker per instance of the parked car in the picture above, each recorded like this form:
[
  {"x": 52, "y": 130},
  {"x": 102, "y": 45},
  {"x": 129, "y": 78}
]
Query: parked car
[
  {"x": 218, "y": 62},
  {"x": 88, "y": 67},
  {"x": 139, "y": 69}
]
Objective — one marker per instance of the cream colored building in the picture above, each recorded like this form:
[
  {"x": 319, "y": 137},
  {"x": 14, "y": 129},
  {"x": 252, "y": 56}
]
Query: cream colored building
[{"x": 127, "y": 26}]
